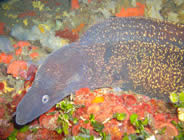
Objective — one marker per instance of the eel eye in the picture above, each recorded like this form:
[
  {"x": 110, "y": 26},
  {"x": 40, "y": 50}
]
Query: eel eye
[{"x": 45, "y": 99}]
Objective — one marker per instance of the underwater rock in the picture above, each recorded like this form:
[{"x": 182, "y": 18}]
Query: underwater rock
[
  {"x": 5, "y": 44},
  {"x": 47, "y": 38},
  {"x": 19, "y": 32}
]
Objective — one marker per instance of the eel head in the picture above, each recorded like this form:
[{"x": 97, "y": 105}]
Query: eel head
[{"x": 60, "y": 75}]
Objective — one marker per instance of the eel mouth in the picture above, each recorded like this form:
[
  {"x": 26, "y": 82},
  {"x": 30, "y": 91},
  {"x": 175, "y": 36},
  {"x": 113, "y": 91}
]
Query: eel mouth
[
  {"x": 28, "y": 109},
  {"x": 19, "y": 119},
  {"x": 23, "y": 115}
]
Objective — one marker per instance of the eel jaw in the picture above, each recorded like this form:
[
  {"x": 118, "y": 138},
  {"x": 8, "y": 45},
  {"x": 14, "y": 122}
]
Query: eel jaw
[
  {"x": 29, "y": 107},
  {"x": 23, "y": 112}
]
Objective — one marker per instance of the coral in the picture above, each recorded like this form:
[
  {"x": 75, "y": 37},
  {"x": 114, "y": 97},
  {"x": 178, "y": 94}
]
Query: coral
[
  {"x": 6, "y": 88},
  {"x": 153, "y": 8},
  {"x": 172, "y": 16},
  {"x": 43, "y": 134},
  {"x": 5, "y": 129},
  {"x": 27, "y": 13},
  {"x": 1, "y": 86},
  {"x": 6, "y": 6},
  {"x": 25, "y": 21},
  {"x": 13, "y": 16},
  {"x": 22, "y": 44},
  {"x": 78, "y": 28},
  {"x": 126, "y": 104},
  {"x": 137, "y": 11},
  {"x": 180, "y": 111},
  {"x": 49, "y": 121},
  {"x": 34, "y": 55},
  {"x": 67, "y": 34},
  {"x": 19, "y": 47},
  {"x": 38, "y": 4},
  {"x": 170, "y": 131},
  {"x": 41, "y": 32},
  {"x": 75, "y": 4},
  {"x": 2, "y": 25},
  {"x": 44, "y": 27},
  {"x": 16, "y": 67},
  {"x": 16, "y": 99},
  {"x": 5, "y": 58}
]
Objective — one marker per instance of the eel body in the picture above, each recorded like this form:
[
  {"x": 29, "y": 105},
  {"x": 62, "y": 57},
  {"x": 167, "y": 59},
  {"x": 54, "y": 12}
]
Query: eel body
[{"x": 143, "y": 55}]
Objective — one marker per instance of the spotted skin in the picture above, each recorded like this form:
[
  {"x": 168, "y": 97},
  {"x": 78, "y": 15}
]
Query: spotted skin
[
  {"x": 139, "y": 54},
  {"x": 123, "y": 29}
]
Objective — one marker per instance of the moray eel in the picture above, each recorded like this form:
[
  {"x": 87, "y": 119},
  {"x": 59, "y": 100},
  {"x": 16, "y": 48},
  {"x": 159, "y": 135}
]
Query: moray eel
[{"x": 144, "y": 55}]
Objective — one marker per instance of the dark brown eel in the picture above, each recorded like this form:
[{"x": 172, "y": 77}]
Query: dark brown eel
[{"x": 144, "y": 55}]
